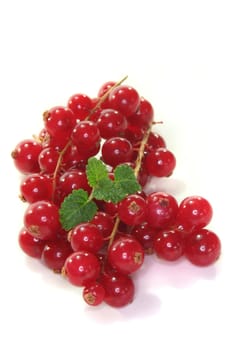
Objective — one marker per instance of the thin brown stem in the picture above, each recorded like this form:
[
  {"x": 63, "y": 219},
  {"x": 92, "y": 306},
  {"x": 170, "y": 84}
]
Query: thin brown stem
[
  {"x": 138, "y": 164},
  {"x": 141, "y": 150},
  {"x": 105, "y": 96},
  {"x": 114, "y": 231},
  {"x": 59, "y": 161},
  {"x": 101, "y": 100}
]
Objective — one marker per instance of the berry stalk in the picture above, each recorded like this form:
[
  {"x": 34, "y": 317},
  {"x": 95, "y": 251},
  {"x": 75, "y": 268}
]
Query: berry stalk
[
  {"x": 138, "y": 164},
  {"x": 59, "y": 161},
  {"x": 141, "y": 150},
  {"x": 105, "y": 96},
  {"x": 63, "y": 151}
]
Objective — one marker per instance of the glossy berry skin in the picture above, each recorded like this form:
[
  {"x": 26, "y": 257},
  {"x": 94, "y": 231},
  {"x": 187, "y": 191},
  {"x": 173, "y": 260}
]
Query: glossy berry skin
[
  {"x": 194, "y": 212},
  {"x": 202, "y": 247},
  {"x": 41, "y": 219},
  {"x": 143, "y": 115},
  {"x": 94, "y": 293},
  {"x": 134, "y": 133},
  {"x": 86, "y": 236},
  {"x": 104, "y": 90},
  {"x": 117, "y": 150},
  {"x": 36, "y": 187},
  {"x": 55, "y": 254},
  {"x": 110, "y": 208},
  {"x": 145, "y": 235},
  {"x": 59, "y": 122},
  {"x": 48, "y": 159},
  {"x": 124, "y": 99},
  {"x": 104, "y": 223},
  {"x": 169, "y": 244},
  {"x": 82, "y": 268},
  {"x": 132, "y": 210},
  {"x": 73, "y": 159},
  {"x": 160, "y": 163},
  {"x": 85, "y": 135},
  {"x": 155, "y": 141},
  {"x": 161, "y": 210},
  {"x": 119, "y": 289},
  {"x": 111, "y": 123},
  {"x": 25, "y": 156},
  {"x": 31, "y": 245},
  {"x": 126, "y": 255},
  {"x": 81, "y": 105},
  {"x": 105, "y": 87},
  {"x": 73, "y": 180}
]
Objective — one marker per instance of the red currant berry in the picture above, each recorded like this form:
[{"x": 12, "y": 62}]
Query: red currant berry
[
  {"x": 110, "y": 208},
  {"x": 81, "y": 105},
  {"x": 94, "y": 293},
  {"x": 59, "y": 121},
  {"x": 111, "y": 123},
  {"x": 169, "y": 244},
  {"x": 117, "y": 150},
  {"x": 55, "y": 254},
  {"x": 194, "y": 212},
  {"x": 41, "y": 219},
  {"x": 119, "y": 289},
  {"x": 132, "y": 210},
  {"x": 25, "y": 156},
  {"x": 134, "y": 133},
  {"x": 73, "y": 180},
  {"x": 202, "y": 247},
  {"x": 161, "y": 210},
  {"x": 126, "y": 255},
  {"x": 85, "y": 135},
  {"x": 95, "y": 111},
  {"x": 143, "y": 115},
  {"x": 160, "y": 162},
  {"x": 105, "y": 90},
  {"x": 104, "y": 222},
  {"x": 81, "y": 268},
  {"x": 105, "y": 87},
  {"x": 48, "y": 159},
  {"x": 143, "y": 176},
  {"x": 73, "y": 159},
  {"x": 124, "y": 99},
  {"x": 86, "y": 236},
  {"x": 145, "y": 235},
  {"x": 31, "y": 245},
  {"x": 36, "y": 187},
  {"x": 155, "y": 141}
]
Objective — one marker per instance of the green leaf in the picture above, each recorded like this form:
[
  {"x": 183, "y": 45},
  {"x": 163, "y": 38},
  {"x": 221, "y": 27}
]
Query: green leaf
[
  {"x": 76, "y": 208},
  {"x": 96, "y": 171},
  {"x": 125, "y": 181},
  {"x": 104, "y": 190}
]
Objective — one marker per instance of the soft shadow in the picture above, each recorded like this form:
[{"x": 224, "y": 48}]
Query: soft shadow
[
  {"x": 179, "y": 274},
  {"x": 168, "y": 184},
  {"x": 47, "y": 275},
  {"x": 144, "y": 305}
]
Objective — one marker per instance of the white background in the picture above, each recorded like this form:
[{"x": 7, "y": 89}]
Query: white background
[{"x": 178, "y": 54}]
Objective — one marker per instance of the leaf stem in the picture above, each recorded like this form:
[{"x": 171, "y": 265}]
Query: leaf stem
[{"x": 91, "y": 195}]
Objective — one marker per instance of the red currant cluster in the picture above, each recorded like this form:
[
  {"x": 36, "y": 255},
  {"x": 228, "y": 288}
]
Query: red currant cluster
[{"x": 104, "y": 241}]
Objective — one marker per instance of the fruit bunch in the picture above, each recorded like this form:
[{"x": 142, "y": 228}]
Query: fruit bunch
[{"x": 88, "y": 215}]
